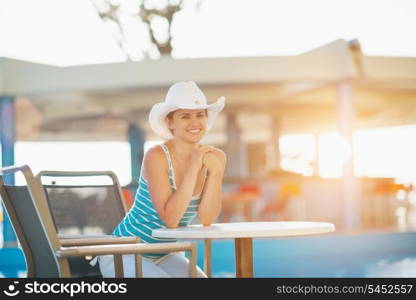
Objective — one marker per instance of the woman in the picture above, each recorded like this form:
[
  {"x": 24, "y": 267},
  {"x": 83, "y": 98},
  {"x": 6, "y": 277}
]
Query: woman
[{"x": 180, "y": 179}]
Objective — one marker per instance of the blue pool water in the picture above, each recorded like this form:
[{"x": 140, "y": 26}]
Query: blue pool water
[
  {"x": 361, "y": 255},
  {"x": 332, "y": 255}
]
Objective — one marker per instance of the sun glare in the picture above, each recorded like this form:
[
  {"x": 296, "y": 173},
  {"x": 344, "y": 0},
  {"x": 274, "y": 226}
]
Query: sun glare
[
  {"x": 334, "y": 152},
  {"x": 383, "y": 152}
]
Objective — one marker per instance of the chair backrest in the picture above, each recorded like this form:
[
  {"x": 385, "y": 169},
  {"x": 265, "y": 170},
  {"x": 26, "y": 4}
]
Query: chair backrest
[
  {"x": 81, "y": 207},
  {"x": 32, "y": 222}
]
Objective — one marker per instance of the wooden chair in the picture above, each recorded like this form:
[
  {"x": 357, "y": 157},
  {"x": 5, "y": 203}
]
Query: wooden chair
[
  {"x": 83, "y": 204},
  {"x": 46, "y": 255}
]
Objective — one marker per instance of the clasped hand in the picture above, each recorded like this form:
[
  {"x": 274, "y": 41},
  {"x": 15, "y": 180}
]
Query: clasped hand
[{"x": 204, "y": 156}]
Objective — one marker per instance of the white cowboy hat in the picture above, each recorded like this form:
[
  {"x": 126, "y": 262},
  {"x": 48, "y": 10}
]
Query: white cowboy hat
[{"x": 182, "y": 95}]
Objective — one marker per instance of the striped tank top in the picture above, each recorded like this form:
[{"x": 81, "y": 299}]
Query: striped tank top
[{"x": 142, "y": 217}]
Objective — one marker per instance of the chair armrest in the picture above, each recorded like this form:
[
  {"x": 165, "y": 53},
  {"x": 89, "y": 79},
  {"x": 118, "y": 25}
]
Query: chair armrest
[
  {"x": 81, "y": 236},
  {"x": 124, "y": 249},
  {"x": 137, "y": 249},
  {"x": 85, "y": 241}
]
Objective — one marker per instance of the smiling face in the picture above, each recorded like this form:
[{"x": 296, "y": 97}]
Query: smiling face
[{"x": 188, "y": 124}]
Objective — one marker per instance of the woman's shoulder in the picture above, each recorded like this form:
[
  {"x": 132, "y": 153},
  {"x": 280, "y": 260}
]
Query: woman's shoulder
[
  {"x": 220, "y": 154},
  {"x": 153, "y": 160},
  {"x": 218, "y": 151},
  {"x": 154, "y": 154}
]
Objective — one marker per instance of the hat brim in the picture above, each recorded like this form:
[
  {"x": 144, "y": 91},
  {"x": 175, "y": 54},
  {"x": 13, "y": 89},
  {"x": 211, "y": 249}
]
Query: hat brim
[{"x": 160, "y": 110}]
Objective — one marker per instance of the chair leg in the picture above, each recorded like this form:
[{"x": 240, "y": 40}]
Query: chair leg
[
  {"x": 118, "y": 266},
  {"x": 192, "y": 262},
  {"x": 139, "y": 269},
  {"x": 208, "y": 257},
  {"x": 65, "y": 271}
]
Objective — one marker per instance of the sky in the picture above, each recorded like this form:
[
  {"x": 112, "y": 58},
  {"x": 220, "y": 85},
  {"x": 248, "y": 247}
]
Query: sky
[{"x": 69, "y": 32}]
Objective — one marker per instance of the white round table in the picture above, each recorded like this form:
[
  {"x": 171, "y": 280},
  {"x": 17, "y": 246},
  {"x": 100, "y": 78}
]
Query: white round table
[{"x": 242, "y": 233}]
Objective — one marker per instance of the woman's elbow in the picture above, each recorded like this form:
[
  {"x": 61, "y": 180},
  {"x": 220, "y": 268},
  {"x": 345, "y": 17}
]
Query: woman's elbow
[
  {"x": 172, "y": 225},
  {"x": 167, "y": 219},
  {"x": 171, "y": 222},
  {"x": 206, "y": 221},
  {"x": 207, "y": 218}
]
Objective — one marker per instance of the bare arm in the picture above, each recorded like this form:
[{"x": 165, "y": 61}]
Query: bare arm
[
  {"x": 177, "y": 203},
  {"x": 210, "y": 206},
  {"x": 170, "y": 205}
]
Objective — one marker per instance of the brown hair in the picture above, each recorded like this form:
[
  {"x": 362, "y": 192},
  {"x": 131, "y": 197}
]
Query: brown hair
[{"x": 170, "y": 115}]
